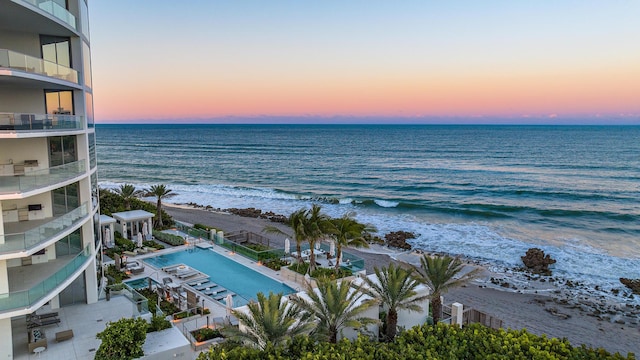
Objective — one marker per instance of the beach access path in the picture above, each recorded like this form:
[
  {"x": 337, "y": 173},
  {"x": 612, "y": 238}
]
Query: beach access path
[{"x": 517, "y": 310}]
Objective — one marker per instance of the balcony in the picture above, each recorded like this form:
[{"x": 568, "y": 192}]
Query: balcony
[
  {"x": 18, "y": 61},
  {"x": 54, "y": 9},
  {"x": 31, "y": 239},
  {"x": 62, "y": 269},
  {"x": 39, "y": 179},
  {"x": 40, "y": 122}
]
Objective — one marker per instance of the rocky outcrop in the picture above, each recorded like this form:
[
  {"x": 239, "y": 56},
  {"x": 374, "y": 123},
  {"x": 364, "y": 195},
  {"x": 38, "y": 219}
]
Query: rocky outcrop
[
  {"x": 633, "y": 284},
  {"x": 398, "y": 239},
  {"x": 257, "y": 213},
  {"x": 537, "y": 262}
]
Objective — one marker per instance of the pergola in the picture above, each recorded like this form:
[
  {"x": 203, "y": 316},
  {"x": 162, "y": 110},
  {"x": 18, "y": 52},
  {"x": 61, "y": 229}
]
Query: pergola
[{"x": 130, "y": 223}]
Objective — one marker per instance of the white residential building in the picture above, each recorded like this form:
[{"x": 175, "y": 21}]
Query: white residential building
[{"x": 49, "y": 221}]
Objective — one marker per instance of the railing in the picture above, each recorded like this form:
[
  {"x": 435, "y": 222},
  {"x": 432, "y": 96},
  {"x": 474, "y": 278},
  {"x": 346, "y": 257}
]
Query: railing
[
  {"x": 40, "y": 178},
  {"x": 18, "y": 61},
  {"x": 26, "y": 298},
  {"x": 31, "y": 238},
  {"x": 48, "y": 122},
  {"x": 56, "y": 10}
]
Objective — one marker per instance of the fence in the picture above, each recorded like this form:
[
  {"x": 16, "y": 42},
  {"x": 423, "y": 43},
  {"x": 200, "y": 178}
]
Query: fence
[{"x": 471, "y": 316}]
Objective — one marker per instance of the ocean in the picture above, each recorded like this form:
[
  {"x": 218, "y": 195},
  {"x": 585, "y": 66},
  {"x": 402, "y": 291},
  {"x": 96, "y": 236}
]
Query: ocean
[{"x": 487, "y": 192}]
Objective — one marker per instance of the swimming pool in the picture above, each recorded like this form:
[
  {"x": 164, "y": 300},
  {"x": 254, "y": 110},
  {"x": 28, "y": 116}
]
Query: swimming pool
[
  {"x": 235, "y": 277},
  {"x": 140, "y": 283}
]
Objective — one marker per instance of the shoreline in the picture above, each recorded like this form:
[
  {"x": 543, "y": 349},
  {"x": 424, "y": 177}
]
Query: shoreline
[{"x": 541, "y": 307}]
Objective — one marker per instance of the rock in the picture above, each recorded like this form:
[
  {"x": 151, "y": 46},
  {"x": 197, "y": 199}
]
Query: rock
[
  {"x": 537, "y": 262},
  {"x": 398, "y": 239},
  {"x": 632, "y": 284}
]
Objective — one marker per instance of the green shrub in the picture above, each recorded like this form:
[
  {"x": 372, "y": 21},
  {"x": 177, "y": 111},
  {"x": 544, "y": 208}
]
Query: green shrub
[
  {"x": 170, "y": 239},
  {"x": 122, "y": 339},
  {"x": 124, "y": 244},
  {"x": 158, "y": 323},
  {"x": 425, "y": 342},
  {"x": 321, "y": 272},
  {"x": 168, "y": 307},
  {"x": 113, "y": 275},
  {"x": 203, "y": 227},
  {"x": 153, "y": 244},
  {"x": 275, "y": 264},
  {"x": 205, "y": 334}
]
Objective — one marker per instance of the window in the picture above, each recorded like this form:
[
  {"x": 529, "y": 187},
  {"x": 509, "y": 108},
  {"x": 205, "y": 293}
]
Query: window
[
  {"x": 56, "y": 50},
  {"x": 59, "y": 102}
]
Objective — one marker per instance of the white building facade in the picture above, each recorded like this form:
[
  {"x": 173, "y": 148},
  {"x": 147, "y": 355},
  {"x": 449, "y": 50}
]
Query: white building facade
[{"x": 50, "y": 247}]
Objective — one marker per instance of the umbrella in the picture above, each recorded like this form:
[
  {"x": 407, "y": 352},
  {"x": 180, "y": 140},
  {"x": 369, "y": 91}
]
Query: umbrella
[
  {"x": 287, "y": 246},
  {"x": 107, "y": 238},
  {"x": 318, "y": 245},
  {"x": 332, "y": 249},
  {"x": 145, "y": 229},
  {"x": 139, "y": 239},
  {"x": 229, "y": 302}
]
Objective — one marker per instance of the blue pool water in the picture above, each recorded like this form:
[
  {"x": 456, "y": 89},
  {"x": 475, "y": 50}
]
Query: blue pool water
[
  {"x": 140, "y": 283},
  {"x": 235, "y": 277}
]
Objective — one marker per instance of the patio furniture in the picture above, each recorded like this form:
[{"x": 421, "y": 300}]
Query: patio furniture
[
  {"x": 37, "y": 339},
  {"x": 64, "y": 335}
]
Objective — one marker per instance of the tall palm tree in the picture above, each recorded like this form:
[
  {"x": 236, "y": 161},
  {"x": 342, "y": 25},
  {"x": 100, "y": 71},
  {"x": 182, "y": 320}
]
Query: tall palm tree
[
  {"x": 296, "y": 221},
  {"x": 270, "y": 320},
  {"x": 334, "y": 305},
  {"x": 348, "y": 232},
  {"x": 159, "y": 192},
  {"x": 394, "y": 288},
  {"x": 128, "y": 192},
  {"x": 439, "y": 274},
  {"x": 318, "y": 226}
]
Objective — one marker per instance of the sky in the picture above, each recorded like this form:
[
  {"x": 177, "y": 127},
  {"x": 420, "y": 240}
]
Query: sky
[{"x": 555, "y": 61}]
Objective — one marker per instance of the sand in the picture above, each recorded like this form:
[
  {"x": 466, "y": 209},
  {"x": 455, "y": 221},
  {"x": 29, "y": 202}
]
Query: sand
[{"x": 554, "y": 312}]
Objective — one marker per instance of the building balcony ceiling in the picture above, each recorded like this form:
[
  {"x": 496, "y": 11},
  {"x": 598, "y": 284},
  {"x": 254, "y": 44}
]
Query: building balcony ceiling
[{"x": 34, "y": 16}]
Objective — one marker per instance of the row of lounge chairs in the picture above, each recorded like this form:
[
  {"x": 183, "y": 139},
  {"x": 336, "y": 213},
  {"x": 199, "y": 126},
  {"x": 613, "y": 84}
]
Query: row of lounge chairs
[{"x": 35, "y": 320}]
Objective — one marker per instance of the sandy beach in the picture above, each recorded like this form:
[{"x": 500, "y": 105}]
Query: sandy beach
[{"x": 539, "y": 307}]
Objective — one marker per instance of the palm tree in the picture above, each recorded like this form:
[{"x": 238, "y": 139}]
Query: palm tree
[
  {"x": 334, "y": 305},
  {"x": 348, "y": 232},
  {"x": 270, "y": 320},
  {"x": 439, "y": 274},
  {"x": 128, "y": 192},
  {"x": 159, "y": 192},
  {"x": 395, "y": 290},
  {"x": 317, "y": 226},
  {"x": 296, "y": 221}
]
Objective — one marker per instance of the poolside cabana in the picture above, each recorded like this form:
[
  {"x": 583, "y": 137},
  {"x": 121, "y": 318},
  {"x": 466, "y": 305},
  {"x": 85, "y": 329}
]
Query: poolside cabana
[
  {"x": 107, "y": 230},
  {"x": 130, "y": 223}
]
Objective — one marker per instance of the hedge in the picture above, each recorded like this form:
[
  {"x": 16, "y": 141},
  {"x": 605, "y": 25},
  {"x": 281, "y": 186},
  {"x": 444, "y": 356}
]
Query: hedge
[{"x": 170, "y": 239}]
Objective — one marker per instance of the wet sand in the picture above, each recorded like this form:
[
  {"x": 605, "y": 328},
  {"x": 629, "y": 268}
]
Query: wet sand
[{"x": 554, "y": 312}]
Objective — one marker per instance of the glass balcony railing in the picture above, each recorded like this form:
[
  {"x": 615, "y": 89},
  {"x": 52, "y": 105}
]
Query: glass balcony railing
[
  {"x": 19, "y": 61},
  {"x": 41, "y": 178},
  {"x": 55, "y": 9},
  {"x": 26, "y": 298},
  {"x": 48, "y": 122},
  {"x": 32, "y": 238}
]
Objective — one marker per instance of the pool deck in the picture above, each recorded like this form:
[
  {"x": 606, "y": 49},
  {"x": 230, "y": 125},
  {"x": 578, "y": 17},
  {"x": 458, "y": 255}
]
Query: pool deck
[{"x": 218, "y": 309}]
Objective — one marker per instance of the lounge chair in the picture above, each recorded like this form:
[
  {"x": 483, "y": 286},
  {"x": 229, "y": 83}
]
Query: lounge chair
[
  {"x": 43, "y": 322},
  {"x": 187, "y": 274},
  {"x": 44, "y": 316},
  {"x": 205, "y": 286}
]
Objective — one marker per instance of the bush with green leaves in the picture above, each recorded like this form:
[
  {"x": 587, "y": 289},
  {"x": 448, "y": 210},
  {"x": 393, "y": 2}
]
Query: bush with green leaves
[
  {"x": 122, "y": 339},
  {"x": 152, "y": 244},
  {"x": 158, "y": 323},
  {"x": 330, "y": 273},
  {"x": 205, "y": 334},
  {"x": 170, "y": 239},
  {"x": 425, "y": 342}
]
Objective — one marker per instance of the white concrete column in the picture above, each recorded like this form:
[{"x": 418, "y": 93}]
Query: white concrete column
[
  {"x": 91, "y": 282},
  {"x": 113, "y": 233},
  {"x": 6, "y": 341},
  {"x": 1, "y": 225},
  {"x": 456, "y": 314},
  {"x": 124, "y": 231},
  {"x": 4, "y": 278}
]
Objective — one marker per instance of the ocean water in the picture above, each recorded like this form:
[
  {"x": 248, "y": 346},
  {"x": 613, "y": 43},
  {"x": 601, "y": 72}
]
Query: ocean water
[{"x": 488, "y": 192}]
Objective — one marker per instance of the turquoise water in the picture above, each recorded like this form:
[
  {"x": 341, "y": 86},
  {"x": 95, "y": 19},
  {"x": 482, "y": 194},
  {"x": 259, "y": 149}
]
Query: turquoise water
[
  {"x": 140, "y": 283},
  {"x": 488, "y": 192},
  {"x": 225, "y": 272}
]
